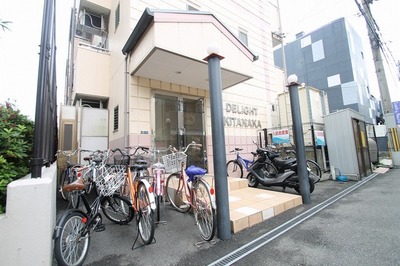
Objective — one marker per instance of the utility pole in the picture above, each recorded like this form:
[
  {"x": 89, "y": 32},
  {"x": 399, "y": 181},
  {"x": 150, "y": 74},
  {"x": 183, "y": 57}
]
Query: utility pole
[
  {"x": 382, "y": 82},
  {"x": 377, "y": 57}
]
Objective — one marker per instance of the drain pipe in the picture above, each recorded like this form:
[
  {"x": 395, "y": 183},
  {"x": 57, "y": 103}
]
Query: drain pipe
[{"x": 126, "y": 105}]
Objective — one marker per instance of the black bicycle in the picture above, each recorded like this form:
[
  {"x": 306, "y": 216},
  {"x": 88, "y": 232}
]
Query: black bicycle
[{"x": 72, "y": 232}]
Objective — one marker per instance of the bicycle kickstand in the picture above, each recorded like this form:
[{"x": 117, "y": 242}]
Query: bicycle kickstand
[{"x": 137, "y": 236}]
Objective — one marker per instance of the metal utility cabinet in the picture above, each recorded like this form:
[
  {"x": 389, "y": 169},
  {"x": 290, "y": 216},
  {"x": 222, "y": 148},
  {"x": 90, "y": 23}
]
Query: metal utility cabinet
[{"x": 347, "y": 143}]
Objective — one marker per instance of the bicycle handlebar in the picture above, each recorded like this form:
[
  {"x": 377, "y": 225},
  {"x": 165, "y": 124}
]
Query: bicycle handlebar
[
  {"x": 68, "y": 154},
  {"x": 236, "y": 150},
  {"x": 192, "y": 144},
  {"x": 143, "y": 148}
]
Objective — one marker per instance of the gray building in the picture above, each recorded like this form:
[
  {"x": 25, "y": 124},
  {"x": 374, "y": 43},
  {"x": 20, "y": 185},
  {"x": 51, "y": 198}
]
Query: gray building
[{"x": 331, "y": 59}]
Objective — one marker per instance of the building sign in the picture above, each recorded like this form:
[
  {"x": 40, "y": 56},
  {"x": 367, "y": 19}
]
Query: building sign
[
  {"x": 396, "y": 112},
  {"x": 238, "y": 115},
  {"x": 319, "y": 138},
  {"x": 280, "y": 136}
]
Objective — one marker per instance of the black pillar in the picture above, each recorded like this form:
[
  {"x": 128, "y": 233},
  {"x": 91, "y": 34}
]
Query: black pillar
[
  {"x": 299, "y": 140},
  {"x": 219, "y": 152}
]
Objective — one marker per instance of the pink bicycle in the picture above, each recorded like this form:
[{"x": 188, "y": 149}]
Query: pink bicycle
[{"x": 188, "y": 189}]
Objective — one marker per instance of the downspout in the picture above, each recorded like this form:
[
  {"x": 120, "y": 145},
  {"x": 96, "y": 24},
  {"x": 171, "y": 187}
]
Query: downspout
[
  {"x": 126, "y": 106},
  {"x": 71, "y": 58}
]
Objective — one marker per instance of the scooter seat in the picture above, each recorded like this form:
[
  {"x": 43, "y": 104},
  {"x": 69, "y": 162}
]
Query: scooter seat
[{"x": 281, "y": 161}]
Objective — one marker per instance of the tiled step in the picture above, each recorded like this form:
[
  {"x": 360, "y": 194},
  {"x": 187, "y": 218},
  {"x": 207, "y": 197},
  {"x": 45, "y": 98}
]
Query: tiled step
[
  {"x": 249, "y": 206},
  {"x": 233, "y": 183}
]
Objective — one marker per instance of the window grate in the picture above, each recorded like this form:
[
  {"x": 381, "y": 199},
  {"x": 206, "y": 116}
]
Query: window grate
[{"x": 116, "y": 116}]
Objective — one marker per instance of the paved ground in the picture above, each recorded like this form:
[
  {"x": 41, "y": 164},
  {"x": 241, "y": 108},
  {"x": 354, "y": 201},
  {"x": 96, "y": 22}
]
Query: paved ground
[{"x": 360, "y": 228}]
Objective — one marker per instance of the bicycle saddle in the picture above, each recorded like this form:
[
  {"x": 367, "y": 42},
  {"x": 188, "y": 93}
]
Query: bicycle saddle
[
  {"x": 76, "y": 185},
  {"x": 193, "y": 171}
]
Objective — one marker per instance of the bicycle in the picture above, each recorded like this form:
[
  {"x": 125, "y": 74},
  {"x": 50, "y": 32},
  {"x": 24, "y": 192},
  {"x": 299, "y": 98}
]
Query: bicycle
[
  {"x": 235, "y": 167},
  {"x": 141, "y": 196},
  {"x": 187, "y": 189},
  {"x": 95, "y": 165},
  {"x": 158, "y": 171},
  {"x": 68, "y": 175},
  {"x": 96, "y": 162},
  {"x": 73, "y": 229}
]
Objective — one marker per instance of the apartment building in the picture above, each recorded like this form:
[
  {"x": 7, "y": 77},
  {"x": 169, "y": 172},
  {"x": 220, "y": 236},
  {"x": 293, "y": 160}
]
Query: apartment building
[
  {"x": 137, "y": 73},
  {"x": 331, "y": 59}
]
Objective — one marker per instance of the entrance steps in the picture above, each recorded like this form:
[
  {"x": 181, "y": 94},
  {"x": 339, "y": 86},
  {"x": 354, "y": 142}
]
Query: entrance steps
[{"x": 249, "y": 206}]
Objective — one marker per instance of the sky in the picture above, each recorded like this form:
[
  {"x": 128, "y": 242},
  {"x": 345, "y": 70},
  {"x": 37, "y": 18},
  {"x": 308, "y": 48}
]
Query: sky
[{"x": 19, "y": 48}]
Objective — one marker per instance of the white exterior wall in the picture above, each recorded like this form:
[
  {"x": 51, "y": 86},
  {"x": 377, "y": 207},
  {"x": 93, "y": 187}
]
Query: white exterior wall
[
  {"x": 260, "y": 92},
  {"x": 27, "y": 226}
]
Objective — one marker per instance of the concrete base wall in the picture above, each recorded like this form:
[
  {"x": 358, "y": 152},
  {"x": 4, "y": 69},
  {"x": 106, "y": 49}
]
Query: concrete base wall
[{"x": 27, "y": 226}]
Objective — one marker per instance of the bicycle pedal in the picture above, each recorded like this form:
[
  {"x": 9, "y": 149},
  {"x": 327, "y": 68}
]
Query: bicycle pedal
[{"x": 100, "y": 227}]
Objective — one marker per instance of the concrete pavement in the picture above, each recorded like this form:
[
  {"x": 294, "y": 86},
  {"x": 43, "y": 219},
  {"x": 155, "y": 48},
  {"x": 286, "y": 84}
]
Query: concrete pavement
[{"x": 358, "y": 228}]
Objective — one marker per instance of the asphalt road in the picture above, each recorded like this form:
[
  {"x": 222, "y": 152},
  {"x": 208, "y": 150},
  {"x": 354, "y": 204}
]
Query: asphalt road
[{"x": 359, "y": 226}]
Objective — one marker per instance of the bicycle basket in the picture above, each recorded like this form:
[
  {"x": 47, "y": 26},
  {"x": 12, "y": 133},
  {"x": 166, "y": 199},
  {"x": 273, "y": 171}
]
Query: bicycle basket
[
  {"x": 122, "y": 159},
  {"x": 110, "y": 179},
  {"x": 172, "y": 161}
]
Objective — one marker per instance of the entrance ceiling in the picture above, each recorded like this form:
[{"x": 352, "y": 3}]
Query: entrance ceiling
[
  {"x": 170, "y": 46},
  {"x": 169, "y": 67}
]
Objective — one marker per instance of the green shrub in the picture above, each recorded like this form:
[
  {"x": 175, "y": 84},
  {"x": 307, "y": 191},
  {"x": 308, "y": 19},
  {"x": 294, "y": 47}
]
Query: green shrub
[{"x": 16, "y": 143}]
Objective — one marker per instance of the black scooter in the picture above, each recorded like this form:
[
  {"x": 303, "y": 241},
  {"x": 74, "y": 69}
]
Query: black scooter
[
  {"x": 265, "y": 173},
  {"x": 289, "y": 163}
]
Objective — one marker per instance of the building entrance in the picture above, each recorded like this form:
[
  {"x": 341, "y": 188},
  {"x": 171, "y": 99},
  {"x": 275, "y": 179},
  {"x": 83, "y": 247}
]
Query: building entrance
[{"x": 179, "y": 121}]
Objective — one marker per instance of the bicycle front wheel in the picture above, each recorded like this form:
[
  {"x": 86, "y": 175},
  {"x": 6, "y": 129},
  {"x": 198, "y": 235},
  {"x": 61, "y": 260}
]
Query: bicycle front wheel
[
  {"x": 158, "y": 206},
  {"x": 234, "y": 169},
  {"x": 176, "y": 192},
  {"x": 145, "y": 215},
  {"x": 204, "y": 213},
  {"x": 71, "y": 247},
  {"x": 117, "y": 209},
  {"x": 315, "y": 172}
]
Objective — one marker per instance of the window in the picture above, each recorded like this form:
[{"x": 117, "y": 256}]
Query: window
[
  {"x": 116, "y": 116},
  {"x": 243, "y": 37},
  {"x": 117, "y": 16},
  {"x": 68, "y": 137},
  {"x": 93, "y": 21},
  {"x": 192, "y": 7}
]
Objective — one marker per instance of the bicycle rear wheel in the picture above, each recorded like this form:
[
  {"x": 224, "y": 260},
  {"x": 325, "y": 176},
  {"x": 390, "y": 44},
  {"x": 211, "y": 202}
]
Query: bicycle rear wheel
[
  {"x": 64, "y": 180},
  {"x": 145, "y": 215},
  {"x": 74, "y": 198},
  {"x": 204, "y": 213},
  {"x": 71, "y": 248},
  {"x": 176, "y": 192},
  {"x": 117, "y": 209},
  {"x": 315, "y": 172},
  {"x": 234, "y": 169}
]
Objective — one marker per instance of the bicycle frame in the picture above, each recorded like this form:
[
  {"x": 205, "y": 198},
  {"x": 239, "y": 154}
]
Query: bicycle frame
[
  {"x": 159, "y": 174},
  {"x": 189, "y": 189},
  {"x": 92, "y": 214},
  {"x": 133, "y": 184},
  {"x": 246, "y": 163}
]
